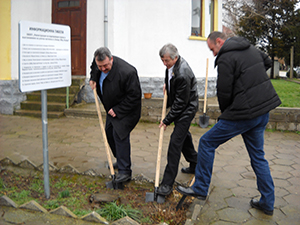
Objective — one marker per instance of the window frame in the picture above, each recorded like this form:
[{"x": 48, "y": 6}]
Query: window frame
[{"x": 213, "y": 20}]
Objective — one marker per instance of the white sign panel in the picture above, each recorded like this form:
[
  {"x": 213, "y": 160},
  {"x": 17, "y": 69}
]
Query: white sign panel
[{"x": 44, "y": 56}]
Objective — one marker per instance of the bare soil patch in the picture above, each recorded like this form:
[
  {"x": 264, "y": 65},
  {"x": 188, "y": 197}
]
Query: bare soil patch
[{"x": 24, "y": 185}]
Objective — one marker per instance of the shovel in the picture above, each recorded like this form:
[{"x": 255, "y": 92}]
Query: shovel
[
  {"x": 151, "y": 197},
  {"x": 111, "y": 184},
  {"x": 184, "y": 196},
  {"x": 204, "y": 119}
]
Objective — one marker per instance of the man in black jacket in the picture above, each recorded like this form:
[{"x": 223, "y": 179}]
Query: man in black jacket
[
  {"x": 245, "y": 95},
  {"x": 119, "y": 89},
  {"x": 181, "y": 87}
]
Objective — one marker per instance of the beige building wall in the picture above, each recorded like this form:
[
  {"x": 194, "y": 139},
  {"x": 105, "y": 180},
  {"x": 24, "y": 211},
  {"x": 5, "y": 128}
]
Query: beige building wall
[{"x": 5, "y": 37}]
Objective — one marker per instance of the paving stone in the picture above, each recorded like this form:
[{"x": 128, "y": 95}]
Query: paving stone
[
  {"x": 295, "y": 181},
  {"x": 6, "y": 201},
  {"x": 281, "y": 183},
  {"x": 33, "y": 205},
  {"x": 256, "y": 222},
  {"x": 221, "y": 223},
  {"x": 250, "y": 183},
  {"x": 284, "y": 156},
  {"x": 245, "y": 192},
  {"x": 233, "y": 215},
  {"x": 68, "y": 169},
  {"x": 293, "y": 189},
  {"x": 280, "y": 192},
  {"x": 281, "y": 168},
  {"x": 63, "y": 211},
  {"x": 197, "y": 209},
  {"x": 249, "y": 175},
  {"x": 27, "y": 164},
  {"x": 281, "y": 175},
  {"x": 238, "y": 202},
  {"x": 259, "y": 215},
  {"x": 279, "y": 202},
  {"x": 285, "y": 162},
  {"x": 125, "y": 221},
  {"x": 293, "y": 199},
  {"x": 51, "y": 167},
  {"x": 6, "y": 161},
  {"x": 94, "y": 217}
]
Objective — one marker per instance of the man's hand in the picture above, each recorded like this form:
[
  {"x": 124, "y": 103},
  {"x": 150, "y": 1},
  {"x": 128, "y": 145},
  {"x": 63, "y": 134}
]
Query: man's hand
[
  {"x": 162, "y": 125},
  {"x": 92, "y": 84},
  {"x": 112, "y": 113}
]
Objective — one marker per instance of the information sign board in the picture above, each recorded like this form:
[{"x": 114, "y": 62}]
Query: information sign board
[{"x": 44, "y": 56}]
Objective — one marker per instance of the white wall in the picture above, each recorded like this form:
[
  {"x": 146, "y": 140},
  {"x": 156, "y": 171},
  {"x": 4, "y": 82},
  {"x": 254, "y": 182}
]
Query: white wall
[
  {"x": 138, "y": 29},
  {"x": 30, "y": 10}
]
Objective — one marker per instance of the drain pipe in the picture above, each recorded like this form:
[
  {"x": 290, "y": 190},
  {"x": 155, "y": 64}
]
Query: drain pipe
[{"x": 105, "y": 23}]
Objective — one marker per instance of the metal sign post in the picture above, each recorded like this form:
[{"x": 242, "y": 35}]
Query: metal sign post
[
  {"x": 45, "y": 143},
  {"x": 44, "y": 63}
]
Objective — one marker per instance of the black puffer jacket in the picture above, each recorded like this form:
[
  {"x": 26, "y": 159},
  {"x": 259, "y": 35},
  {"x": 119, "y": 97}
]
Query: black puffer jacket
[
  {"x": 243, "y": 88},
  {"x": 183, "y": 95}
]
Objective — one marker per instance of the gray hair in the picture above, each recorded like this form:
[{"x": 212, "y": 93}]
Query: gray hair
[
  {"x": 169, "y": 49},
  {"x": 101, "y": 54},
  {"x": 216, "y": 34}
]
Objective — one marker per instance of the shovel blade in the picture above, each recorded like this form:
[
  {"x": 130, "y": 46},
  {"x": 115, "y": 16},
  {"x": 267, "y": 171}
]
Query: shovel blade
[
  {"x": 203, "y": 121},
  {"x": 110, "y": 185},
  {"x": 113, "y": 185},
  {"x": 160, "y": 199},
  {"x": 149, "y": 197}
]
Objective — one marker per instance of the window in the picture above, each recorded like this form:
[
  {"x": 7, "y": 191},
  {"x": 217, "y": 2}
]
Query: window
[
  {"x": 66, "y": 4},
  {"x": 197, "y": 21},
  {"x": 212, "y": 15},
  {"x": 204, "y": 12}
]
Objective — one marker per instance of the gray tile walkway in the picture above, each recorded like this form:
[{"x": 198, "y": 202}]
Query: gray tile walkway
[{"x": 78, "y": 142}]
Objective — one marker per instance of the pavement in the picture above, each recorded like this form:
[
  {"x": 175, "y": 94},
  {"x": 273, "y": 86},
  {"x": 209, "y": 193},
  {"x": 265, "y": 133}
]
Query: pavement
[{"x": 78, "y": 142}]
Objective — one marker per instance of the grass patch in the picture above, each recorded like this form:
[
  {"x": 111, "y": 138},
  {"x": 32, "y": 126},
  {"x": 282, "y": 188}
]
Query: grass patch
[
  {"x": 111, "y": 211},
  {"x": 288, "y": 92},
  {"x": 74, "y": 192}
]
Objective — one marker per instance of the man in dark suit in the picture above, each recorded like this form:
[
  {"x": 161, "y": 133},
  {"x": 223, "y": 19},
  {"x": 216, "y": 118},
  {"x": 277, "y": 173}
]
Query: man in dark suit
[{"x": 119, "y": 90}]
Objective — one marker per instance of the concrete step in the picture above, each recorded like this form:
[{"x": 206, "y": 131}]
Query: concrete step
[
  {"x": 36, "y": 113},
  {"x": 51, "y": 97},
  {"x": 37, "y": 105}
]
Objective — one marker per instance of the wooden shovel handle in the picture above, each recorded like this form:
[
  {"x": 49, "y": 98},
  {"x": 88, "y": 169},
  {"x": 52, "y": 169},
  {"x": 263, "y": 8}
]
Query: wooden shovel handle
[
  {"x": 160, "y": 141},
  {"x": 205, "y": 91},
  {"x": 107, "y": 149},
  {"x": 192, "y": 182}
]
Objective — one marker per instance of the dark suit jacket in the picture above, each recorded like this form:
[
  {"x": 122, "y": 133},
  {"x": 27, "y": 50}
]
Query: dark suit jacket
[{"x": 122, "y": 93}]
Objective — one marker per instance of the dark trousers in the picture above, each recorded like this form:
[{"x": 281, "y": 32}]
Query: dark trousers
[
  {"x": 180, "y": 141},
  {"x": 120, "y": 149}
]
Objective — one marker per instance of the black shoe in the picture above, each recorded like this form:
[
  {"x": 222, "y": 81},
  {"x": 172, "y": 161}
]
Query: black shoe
[
  {"x": 115, "y": 166},
  {"x": 189, "y": 192},
  {"x": 164, "y": 189},
  {"x": 122, "y": 177},
  {"x": 188, "y": 170},
  {"x": 255, "y": 204}
]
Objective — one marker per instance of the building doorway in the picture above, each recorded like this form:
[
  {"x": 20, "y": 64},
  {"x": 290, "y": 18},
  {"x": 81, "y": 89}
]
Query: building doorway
[{"x": 73, "y": 13}]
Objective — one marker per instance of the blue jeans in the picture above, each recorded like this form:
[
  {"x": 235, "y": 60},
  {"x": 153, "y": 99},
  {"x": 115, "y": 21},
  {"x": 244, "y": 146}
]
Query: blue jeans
[{"x": 252, "y": 132}]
